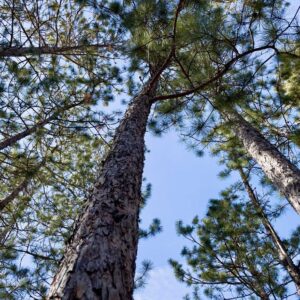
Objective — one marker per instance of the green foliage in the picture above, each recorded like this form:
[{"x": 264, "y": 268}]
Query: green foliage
[
  {"x": 143, "y": 274},
  {"x": 155, "y": 227},
  {"x": 64, "y": 94},
  {"x": 54, "y": 165},
  {"x": 148, "y": 23},
  {"x": 289, "y": 75},
  {"x": 38, "y": 222},
  {"x": 231, "y": 252}
]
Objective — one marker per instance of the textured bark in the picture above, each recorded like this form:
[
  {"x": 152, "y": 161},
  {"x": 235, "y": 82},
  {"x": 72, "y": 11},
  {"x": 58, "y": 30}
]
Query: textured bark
[
  {"x": 280, "y": 171},
  {"x": 99, "y": 262},
  {"x": 282, "y": 252}
]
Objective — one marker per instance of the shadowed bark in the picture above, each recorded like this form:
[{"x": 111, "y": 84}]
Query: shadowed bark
[
  {"x": 280, "y": 171},
  {"x": 99, "y": 262}
]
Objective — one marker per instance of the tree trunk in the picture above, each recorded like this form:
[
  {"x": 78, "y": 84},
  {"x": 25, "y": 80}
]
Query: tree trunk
[
  {"x": 22, "y": 186},
  {"x": 25, "y": 51},
  {"x": 99, "y": 261},
  {"x": 280, "y": 171},
  {"x": 261, "y": 293},
  {"x": 19, "y": 136},
  {"x": 283, "y": 255},
  {"x": 15, "y": 193}
]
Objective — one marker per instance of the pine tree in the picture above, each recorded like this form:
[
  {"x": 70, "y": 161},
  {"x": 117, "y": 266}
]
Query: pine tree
[
  {"x": 279, "y": 170},
  {"x": 99, "y": 262},
  {"x": 232, "y": 252},
  {"x": 56, "y": 61},
  {"x": 156, "y": 45},
  {"x": 228, "y": 95},
  {"x": 37, "y": 223},
  {"x": 284, "y": 252},
  {"x": 62, "y": 62},
  {"x": 279, "y": 245}
]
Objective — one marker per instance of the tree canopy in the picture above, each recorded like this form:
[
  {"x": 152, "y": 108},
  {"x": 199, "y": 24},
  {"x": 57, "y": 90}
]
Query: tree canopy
[{"x": 82, "y": 80}]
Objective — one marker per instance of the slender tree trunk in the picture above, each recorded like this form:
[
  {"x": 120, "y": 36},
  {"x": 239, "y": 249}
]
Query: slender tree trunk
[
  {"x": 261, "y": 293},
  {"x": 19, "y": 136},
  {"x": 283, "y": 255},
  {"x": 22, "y": 186},
  {"x": 280, "y": 171},
  {"x": 99, "y": 262},
  {"x": 24, "y": 51},
  {"x": 255, "y": 284}
]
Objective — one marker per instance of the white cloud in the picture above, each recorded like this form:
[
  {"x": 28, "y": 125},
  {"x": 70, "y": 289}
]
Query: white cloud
[{"x": 162, "y": 284}]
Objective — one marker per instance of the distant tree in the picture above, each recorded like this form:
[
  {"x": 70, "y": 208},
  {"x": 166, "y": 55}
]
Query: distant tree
[
  {"x": 233, "y": 253},
  {"x": 55, "y": 66},
  {"x": 282, "y": 252}
]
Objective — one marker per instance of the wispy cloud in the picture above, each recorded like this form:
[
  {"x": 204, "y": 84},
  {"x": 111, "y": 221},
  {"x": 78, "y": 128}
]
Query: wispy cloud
[{"x": 162, "y": 284}]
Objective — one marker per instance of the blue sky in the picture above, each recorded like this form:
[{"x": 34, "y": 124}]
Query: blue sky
[{"x": 182, "y": 184}]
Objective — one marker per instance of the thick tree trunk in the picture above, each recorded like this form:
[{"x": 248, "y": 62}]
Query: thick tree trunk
[
  {"x": 99, "y": 262},
  {"x": 280, "y": 171},
  {"x": 283, "y": 255}
]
